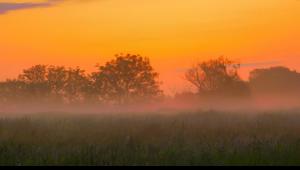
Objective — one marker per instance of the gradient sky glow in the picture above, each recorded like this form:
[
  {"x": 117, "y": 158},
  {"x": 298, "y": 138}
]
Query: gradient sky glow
[{"x": 173, "y": 33}]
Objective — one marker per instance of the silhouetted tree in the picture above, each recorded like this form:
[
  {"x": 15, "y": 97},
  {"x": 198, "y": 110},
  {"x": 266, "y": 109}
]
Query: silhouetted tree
[
  {"x": 37, "y": 86},
  {"x": 35, "y": 74},
  {"x": 13, "y": 91},
  {"x": 76, "y": 85},
  {"x": 43, "y": 83},
  {"x": 217, "y": 77},
  {"x": 127, "y": 78},
  {"x": 56, "y": 79},
  {"x": 275, "y": 81}
]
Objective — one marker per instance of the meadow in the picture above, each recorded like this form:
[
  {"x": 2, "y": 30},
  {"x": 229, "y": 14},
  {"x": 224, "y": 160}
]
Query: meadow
[{"x": 187, "y": 138}]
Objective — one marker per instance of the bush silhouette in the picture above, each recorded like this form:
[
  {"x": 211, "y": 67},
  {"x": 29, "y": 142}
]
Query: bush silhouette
[{"x": 280, "y": 81}]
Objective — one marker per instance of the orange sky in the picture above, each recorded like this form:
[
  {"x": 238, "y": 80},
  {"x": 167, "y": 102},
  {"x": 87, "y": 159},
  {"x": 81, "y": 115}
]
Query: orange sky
[{"x": 173, "y": 33}]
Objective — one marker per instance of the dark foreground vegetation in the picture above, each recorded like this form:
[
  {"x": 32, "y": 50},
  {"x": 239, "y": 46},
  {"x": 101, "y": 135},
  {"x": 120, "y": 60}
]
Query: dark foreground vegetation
[{"x": 199, "y": 138}]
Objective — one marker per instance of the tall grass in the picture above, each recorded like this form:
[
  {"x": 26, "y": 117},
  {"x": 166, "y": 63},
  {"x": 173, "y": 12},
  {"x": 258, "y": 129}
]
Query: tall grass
[{"x": 203, "y": 138}]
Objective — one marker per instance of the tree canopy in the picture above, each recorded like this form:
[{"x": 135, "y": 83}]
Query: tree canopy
[
  {"x": 125, "y": 79},
  {"x": 275, "y": 81}
]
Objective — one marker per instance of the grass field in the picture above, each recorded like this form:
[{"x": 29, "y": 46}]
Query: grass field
[{"x": 203, "y": 138}]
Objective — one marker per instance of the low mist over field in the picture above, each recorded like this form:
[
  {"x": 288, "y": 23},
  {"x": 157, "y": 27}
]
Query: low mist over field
[{"x": 184, "y": 138}]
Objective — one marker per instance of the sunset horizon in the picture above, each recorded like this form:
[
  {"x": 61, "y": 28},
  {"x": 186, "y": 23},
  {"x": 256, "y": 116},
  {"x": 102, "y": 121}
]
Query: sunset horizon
[{"x": 173, "y": 34}]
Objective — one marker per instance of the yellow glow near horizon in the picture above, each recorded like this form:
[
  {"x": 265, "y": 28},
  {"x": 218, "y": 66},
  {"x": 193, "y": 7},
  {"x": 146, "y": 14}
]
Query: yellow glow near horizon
[{"x": 173, "y": 33}]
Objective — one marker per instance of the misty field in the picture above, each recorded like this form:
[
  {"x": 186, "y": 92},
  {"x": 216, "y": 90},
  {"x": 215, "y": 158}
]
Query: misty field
[{"x": 187, "y": 138}]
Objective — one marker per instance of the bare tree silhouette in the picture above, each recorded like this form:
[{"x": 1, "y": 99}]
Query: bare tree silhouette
[{"x": 217, "y": 77}]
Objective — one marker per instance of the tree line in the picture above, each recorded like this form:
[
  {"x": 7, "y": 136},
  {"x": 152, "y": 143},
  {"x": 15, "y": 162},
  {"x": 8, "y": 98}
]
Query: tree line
[
  {"x": 219, "y": 79},
  {"x": 131, "y": 79},
  {"x": 125, "y": 79}
]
